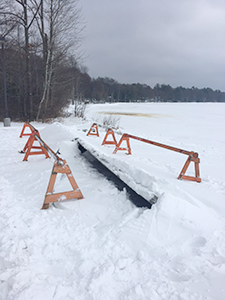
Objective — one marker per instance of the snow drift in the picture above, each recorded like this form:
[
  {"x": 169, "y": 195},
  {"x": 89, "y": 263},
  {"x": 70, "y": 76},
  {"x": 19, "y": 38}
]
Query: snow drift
[{"x": 103, "y": 247}]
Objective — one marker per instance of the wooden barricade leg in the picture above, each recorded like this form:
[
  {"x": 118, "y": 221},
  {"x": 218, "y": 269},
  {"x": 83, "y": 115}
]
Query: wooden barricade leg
[
  {"x": 29, "y": 141},
  {"x": 29, "y": 146},
  {"x": 192, "y": 157},
  {"x": 118, "y": 146},
  {"x": 93, "y": 130},
  {"x": 197, "y": 173},
  {"x": 51, "y": 197},
  {"x": 111, "y": 133}
]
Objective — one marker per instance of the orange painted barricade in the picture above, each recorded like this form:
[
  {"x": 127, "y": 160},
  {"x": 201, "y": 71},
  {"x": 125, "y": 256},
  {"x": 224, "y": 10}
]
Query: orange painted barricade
[
  {"x": 93, "y": 130},
  {"x": 27, "y": 125},
  {"x": 124, "y": 138},
  {"x": 33, "y": 134},
  {"x": 192, "y": 156},
  {"x": 61, "y": 166},
  {"x": 109, "y": 132},
  {"x": 34, "y": 138}
]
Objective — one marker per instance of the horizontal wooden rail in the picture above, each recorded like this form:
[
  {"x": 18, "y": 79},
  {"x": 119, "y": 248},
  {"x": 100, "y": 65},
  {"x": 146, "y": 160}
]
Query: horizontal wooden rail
[
  {"x": 157, "y": 144},
  {"x": 192, "y": 156},
  {"x": 31, "y": 126},
  {"x": 48, "y": 149}
]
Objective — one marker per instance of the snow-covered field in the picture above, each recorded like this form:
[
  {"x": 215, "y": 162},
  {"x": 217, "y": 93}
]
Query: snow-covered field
[{"x": 103, "y": 247}]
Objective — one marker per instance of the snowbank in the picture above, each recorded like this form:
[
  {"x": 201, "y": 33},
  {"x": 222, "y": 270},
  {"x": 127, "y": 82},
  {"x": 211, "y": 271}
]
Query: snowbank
[{"x": 103, "y": 247}]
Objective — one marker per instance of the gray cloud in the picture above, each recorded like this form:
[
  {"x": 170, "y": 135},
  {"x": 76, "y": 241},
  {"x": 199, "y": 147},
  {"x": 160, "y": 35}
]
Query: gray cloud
[{"x": 176, "y": 42}]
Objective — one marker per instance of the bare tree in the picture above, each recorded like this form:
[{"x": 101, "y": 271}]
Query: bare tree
[
  {"x": 22, "y": 12},
  {"x": 62, "y": 20},
  {"x": 60, "y": 26},
  {"x": 7, "y": 20}
]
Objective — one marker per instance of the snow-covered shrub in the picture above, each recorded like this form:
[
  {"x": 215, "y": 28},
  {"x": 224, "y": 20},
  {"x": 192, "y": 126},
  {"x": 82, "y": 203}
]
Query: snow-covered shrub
[
  {"x": 79, "y": 109},
  {"x": 111, "y": 121}
]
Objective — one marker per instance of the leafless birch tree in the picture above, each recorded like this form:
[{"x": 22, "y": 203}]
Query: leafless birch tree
[{"x": 62, "y": 21}]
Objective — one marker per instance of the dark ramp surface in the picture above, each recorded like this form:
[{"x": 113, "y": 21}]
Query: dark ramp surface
[{"x": 137, "y": 199}]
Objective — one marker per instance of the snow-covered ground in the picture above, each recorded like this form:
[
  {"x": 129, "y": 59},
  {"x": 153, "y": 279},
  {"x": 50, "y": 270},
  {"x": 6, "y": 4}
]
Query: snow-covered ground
[{"x": 103, "y": 247}]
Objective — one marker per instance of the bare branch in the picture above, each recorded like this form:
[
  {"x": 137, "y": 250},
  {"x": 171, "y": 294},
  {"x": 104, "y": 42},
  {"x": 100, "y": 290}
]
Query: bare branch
[{"x": 34, "y": 16}]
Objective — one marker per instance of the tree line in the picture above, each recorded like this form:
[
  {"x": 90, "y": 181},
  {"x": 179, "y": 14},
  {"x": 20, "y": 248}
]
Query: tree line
[
  {"x": 41, "y": 53},
  {"x": 43, "y": 72},
  {"x": 107, "y": 89}
]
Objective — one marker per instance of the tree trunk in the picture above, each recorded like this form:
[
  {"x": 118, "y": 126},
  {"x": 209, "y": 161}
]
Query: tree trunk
[{"x": 47, "y": 83}]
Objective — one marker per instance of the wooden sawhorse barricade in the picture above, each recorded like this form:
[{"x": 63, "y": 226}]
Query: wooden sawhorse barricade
[
  {"x": 60, "y": 167},
  {"x": 192, "y": 156}
]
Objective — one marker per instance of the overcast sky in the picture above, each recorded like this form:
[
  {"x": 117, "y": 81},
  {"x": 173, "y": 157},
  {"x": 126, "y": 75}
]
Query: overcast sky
[{"x": 176, "y": 42}]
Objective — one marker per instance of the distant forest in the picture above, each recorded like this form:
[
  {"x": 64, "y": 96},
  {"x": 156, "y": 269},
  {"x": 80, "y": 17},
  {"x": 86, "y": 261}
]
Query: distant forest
[
  {"x": 73, "y": 83},
  {"x": 43, "y": 75},
  {"x": 108, "y": 89}
]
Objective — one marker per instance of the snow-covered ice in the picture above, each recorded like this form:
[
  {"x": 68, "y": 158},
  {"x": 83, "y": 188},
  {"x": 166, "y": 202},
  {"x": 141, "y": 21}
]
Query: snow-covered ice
[{"x": 102, "y": 246}]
